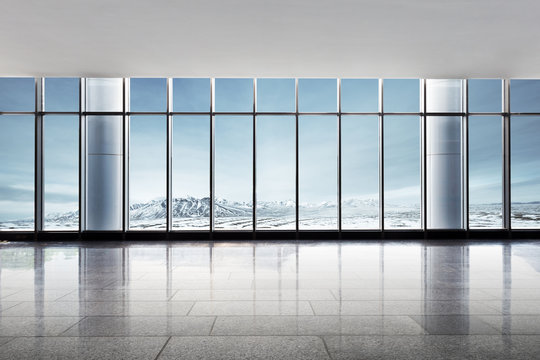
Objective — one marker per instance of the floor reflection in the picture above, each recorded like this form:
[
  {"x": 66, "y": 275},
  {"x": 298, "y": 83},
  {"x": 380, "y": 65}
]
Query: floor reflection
[{"x": 320, "y": 290}]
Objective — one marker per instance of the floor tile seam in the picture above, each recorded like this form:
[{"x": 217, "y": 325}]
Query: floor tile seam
[
  {"x": 72, "y": 326},
  {"x": 229, "y": 315},
  {"x": 212, "y": 327},
  {"x": 326, "y": 347},
  {"x": 163, "y": 348},
  {"x": 15, "y": 293},
  {"x": 312, "y": 308},
  {"x": 117, "y": 315},
  {"x": 174, "y": 292},
  {"x": 107, "y": 285},
  {"x": 69, "y": 293},
  {"x": 319, "y": 334},
  {"x": 124, "y": 316},
  {"x": 191, "y": 308},
  {"x": 11, "y": 306},
  {"x": 107, "y": 301},
  {"x": 117, "y": 301},
  {"x": 261, "y": 336},
  {"x": 398, "y": 314},
  {"x": 10, "y": 340}
]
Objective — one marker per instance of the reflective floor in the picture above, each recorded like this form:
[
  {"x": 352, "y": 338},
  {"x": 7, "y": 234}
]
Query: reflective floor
[{"x": 349, "y": 300}]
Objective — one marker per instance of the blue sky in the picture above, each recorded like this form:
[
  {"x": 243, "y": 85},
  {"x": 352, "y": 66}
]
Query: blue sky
[{"x": 275, "y": 142}]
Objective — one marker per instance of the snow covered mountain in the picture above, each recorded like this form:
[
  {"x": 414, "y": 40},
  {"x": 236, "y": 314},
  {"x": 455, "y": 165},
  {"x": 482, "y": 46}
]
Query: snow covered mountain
[{"x": 191, "y": 212}]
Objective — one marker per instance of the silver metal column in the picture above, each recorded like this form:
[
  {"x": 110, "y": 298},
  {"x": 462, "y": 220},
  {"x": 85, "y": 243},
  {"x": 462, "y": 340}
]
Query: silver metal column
[
  {"x": 104, "y": 154},
  {"x": 444, "y": 139}
]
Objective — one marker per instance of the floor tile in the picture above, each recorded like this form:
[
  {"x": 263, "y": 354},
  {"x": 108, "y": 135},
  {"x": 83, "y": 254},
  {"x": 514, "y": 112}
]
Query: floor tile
[
  {"x": 59, "y": 348},
  {"x": 100, "y": 308},
  {"x": 119, "y": 295},
  {"x": 36, "y": 326},
  {"x": 314, "y": 325},
  {"x": 245, "y": 347},
  {"x": 276, "y": 295},
  {"x": 524, "y": 347},
  {"x": 454, "y": 325},
  {"x": 515, "y": 324},
  {"x": 142, "y": 326},
  {"x": 430, "y": 347},
  {"x": 5, "y": 305},
  {"x": 5, "y": 340},
  {"x": 7, "y": 292},
  {"x": 38, "y": 295},
  {"x": 261, "y": 307}
]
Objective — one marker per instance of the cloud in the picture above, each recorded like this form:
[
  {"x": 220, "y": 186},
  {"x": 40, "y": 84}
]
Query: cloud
[{"x": 13, "y": 193}]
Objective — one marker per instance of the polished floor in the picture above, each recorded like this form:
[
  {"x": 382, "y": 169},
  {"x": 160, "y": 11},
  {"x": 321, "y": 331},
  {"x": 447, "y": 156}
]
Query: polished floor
[{"x": 325, "y": 300}]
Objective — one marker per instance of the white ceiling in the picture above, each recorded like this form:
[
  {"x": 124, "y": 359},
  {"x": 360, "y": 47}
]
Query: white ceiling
[{"x": 271, "y": 38}]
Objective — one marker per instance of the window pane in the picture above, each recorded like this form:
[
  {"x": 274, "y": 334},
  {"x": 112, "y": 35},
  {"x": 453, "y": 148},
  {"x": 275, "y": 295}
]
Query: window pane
[
  {"x": 233, "y": 172},
  {"x": 191, "y": 172},
  {"x": 62, "y": 94},
  {"x": 360, "y": 95},
  {"x": 444, "y": 95},
  {"x": 485, "y": 172},
  {"x": 17, "y": 175},
  {"x": 234, "y": 95},
  {"x": 524, "y": 96},
  {"x": 402, "y": 190},
  {"x": 401, "y": 95},
  {"x": 17, "y": 94},
  {"x": 525, "y": 152},
  {"x": 147, "y": 172},
  {"x": 61, "y": 172},
  {"x": 276, "y": 172},
  {"x": 191, "y": 95},
  {"x": 485, "y": 95},
  {"x": 317, "y": 95},
  {"x": 276, "y": 95},
  {"x": 104, "y": 94},
  {"x": 148, "y": 95},
  {"x": 360, "y": 172},
  {"x": 318, "y": 172}
]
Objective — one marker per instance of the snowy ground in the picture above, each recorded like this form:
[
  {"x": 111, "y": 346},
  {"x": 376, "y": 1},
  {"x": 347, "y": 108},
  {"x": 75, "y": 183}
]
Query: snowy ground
[{"x": 312, "y": 218}]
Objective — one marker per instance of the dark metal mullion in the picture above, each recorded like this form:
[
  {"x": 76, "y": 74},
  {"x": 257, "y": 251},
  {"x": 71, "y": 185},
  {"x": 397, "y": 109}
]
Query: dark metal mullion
[
  {"x": 506, "y": 123},
  {"x": 339, "y": 190},
  {"x": 82, "y": 156},
  {"x": 297, "y": 184},
  {"x": 254, "y": 165},
  {"x": 125, "y": 156},
  {"x": 38, "y": 152},
  {"x": 424, "y": 159},
  {"x": 168, "y": 195},
  {"x": 381, "y": 155},
  {"x": 212, "y": 145},
  {"x": 465, "y": 176}
]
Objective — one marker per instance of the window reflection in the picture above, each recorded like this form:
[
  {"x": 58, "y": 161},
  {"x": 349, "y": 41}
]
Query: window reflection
[
  {"x": 525, "y": 176},
  {"x": 61, "y": 172},
  {"x": 17, "y": 175},
  {"x": 233, "y": 198},
  {"x": 147, "y": 172},
  {"x": 402, "y": 190},
  {"x": 191, "y": 172},
  {"x": 485, "y": 172},
  {"x": 276, "y": 172},
  {"x": 360, "y": 172},
  {"x": 317, "y": 172}
]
